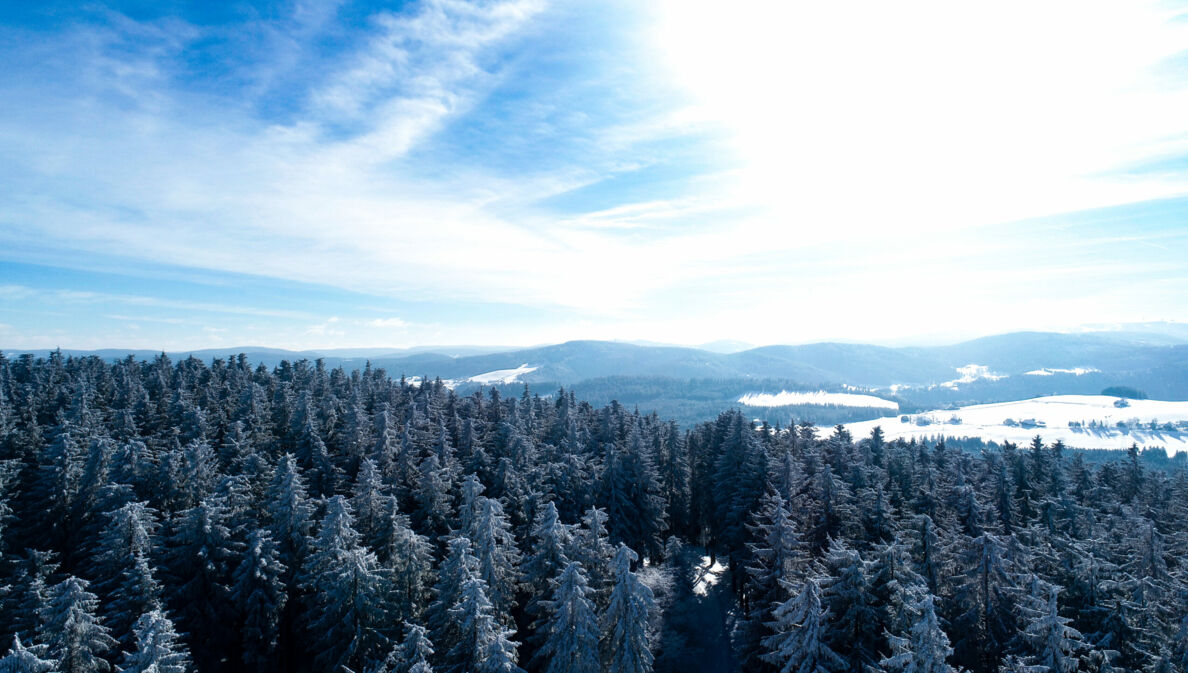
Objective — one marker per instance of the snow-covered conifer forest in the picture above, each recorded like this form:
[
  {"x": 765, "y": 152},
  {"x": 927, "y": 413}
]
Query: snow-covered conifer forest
[{"x": 214, "y": 516}]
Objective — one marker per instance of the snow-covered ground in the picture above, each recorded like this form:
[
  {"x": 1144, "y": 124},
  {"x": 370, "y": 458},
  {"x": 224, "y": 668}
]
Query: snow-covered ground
[
  {"x": 503, "y": 375},
  {"x": 1076, "y": 371},
  {"x": 973, "y": 372},
  {"x": 1063, "y": 417},
  {"x": 785, "y": 398}
]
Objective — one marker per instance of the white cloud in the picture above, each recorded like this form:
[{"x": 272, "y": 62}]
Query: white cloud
[{"x": 388, "y": 323}]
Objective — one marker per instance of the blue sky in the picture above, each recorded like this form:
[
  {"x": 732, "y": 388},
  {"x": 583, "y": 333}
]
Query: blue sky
[{"x": 316, "y": 174}]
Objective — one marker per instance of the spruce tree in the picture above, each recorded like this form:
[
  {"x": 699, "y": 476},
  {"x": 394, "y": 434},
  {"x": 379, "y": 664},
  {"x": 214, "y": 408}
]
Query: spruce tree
[
  {"x": 158, "y": 649},
  {"x": 349, "y": 613},
  {"x": 481, "y": 644},
  {"x": 799, "y": 642},
  {"x": 258, "y": 592},
  {"x": 926, "y": 649},
  {"x": 21, "y": 659},
  {"x": 626, "y": 646},
  {"x": 70, "y": 628},
  {"x": 570, "y": 628}
]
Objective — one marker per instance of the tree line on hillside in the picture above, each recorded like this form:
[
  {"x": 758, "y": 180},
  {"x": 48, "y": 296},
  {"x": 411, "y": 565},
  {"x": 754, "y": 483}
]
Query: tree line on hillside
[{"x": 171, "y": 517}]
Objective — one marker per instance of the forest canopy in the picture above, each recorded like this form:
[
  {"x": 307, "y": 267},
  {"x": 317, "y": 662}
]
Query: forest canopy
[{"x": 186, "y": 516}]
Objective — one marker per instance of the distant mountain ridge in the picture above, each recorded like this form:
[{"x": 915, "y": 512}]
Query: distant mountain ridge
[{"x": 860, "y": 365}]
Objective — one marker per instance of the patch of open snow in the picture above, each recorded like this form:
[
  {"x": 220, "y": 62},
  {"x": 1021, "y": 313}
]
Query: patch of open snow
[
  {"x": 1059, "y": 417},
  {"x": 1076, "y": 371},
  {"x": 503, "y": 375},
  {"x": 786, "y": 398},
  {"x": 707, "y": 575},
  {"x": 972, "y": 372}
]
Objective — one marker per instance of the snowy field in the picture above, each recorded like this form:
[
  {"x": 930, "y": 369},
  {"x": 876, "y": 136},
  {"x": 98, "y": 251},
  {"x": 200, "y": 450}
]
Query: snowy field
[
  {"x": 503, "y": 375},
  {"x": 785, "y": 399},
  {"x": 1085, "y": 421}
]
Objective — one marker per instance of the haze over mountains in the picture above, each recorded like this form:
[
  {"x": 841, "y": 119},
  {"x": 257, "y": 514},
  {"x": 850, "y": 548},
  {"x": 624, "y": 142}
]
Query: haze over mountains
[{"x": 1019, "y": 365}]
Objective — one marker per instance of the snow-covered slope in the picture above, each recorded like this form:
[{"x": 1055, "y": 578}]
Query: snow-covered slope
[
  {"x": 1085, "y": 421},
  {"x": 786, "y": 398},
  {"x": 503, "y": 375}
]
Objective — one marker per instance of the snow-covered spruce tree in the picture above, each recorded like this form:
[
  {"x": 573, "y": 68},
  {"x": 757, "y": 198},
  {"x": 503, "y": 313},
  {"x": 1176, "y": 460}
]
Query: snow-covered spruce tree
[
  {"x": 125, "y": 578},
  {"x": 625, "y": 642},
  {"x": 290, "y": 515},
  {"x": 416, "y": 651},
  {"x": 570, "y": 628},
  {"x": 70, "y": 628},
  {"x": 1055, "y": 646},
  {"x": 348, "y": 593},
  {"x": 798, "y": 641},
  {"x": 158, "y": 649},
  {"x": 498, "y": 556},
  {"x": 28, "y": 593},
  {"x": 459, "y": 566},
  {"x": 551, "y": 539},
  {"x": 854, "y": 629},
  {"x": 926, "y": 649},
  {"x": 629, "y": 489},
  {"x": 895, "y": 586},
  {"x": 258, "y": 593},
  {"x": 434, "y": 497},
  {"x": 482, "y": 645},
  {"x": 368, "y": 499},
  {"x": 739, "y": 477},
  {"x": 200, "y": 558},
  {"x": 777, "y": 560},
  {"x": 984, "y": 604},
  {"x": 408, "y": 557},
  {"x": 592, "y": 548},
  {"x": 21, "y": 659}
]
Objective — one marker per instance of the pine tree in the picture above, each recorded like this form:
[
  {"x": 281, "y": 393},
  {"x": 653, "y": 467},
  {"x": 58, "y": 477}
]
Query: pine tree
[
  {"x": 157, "y": 647},
  {"x": 571, "y": 630},
  {"x": 798, "y": 643},
  {"x": 71, "y": 630},
  {"x": 926, "y": 649},
  {"x": 625, "y": 640}
]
